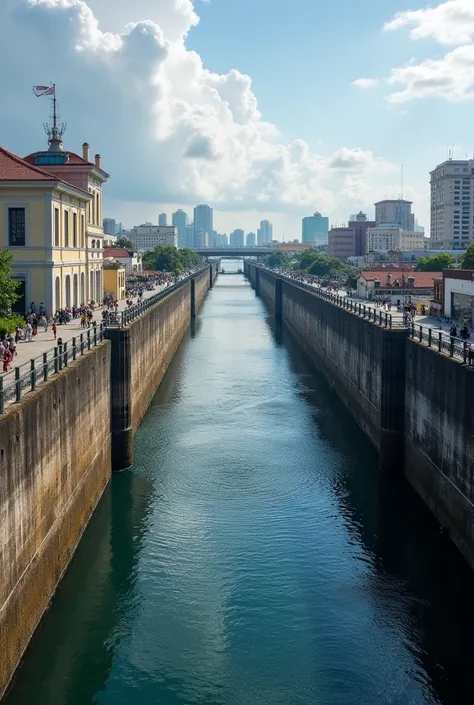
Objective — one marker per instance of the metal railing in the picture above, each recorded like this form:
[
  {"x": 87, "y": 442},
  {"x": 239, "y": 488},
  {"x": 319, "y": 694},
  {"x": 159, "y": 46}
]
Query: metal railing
[
  {"x": 123, "y": 318},
  {"x": 443, "y": 343},
  {"x": 39, "y": 369},
  {"x": 375, "y": 315}
]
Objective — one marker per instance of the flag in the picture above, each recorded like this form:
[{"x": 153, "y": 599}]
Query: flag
[{"x": 43, "y": 90}]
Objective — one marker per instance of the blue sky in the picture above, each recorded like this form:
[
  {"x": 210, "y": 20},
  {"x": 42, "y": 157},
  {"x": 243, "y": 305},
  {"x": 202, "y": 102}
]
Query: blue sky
[{"x": 250, "y": 106}]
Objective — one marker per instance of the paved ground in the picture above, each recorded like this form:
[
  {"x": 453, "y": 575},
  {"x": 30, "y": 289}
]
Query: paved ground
[{"x": 45, "y": 341}]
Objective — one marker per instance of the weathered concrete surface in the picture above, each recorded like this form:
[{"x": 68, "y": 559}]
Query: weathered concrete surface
[
  {"x": 267, "y": 288},
  {"x": 55, "y": 462},
  {"x": 439, "y": 439},
  {"x": 154, "y": 339},
  {"x": 362, "y": 361}
]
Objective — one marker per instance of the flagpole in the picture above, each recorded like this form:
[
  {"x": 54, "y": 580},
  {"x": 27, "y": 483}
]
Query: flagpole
[{"x": 54, "y": 106}]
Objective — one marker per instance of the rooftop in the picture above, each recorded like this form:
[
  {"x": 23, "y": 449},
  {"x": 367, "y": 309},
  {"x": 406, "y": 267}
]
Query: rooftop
[
  {"x": 71, "y": 157},
  {"x": 14, "y": 168},
  {"x": 423, "y": 280},
  {"x": 118, "y": 252}
]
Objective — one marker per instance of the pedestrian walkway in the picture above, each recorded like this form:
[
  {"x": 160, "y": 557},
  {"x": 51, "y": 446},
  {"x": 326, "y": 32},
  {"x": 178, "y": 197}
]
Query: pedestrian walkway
[{"x": 44, "y": 341}]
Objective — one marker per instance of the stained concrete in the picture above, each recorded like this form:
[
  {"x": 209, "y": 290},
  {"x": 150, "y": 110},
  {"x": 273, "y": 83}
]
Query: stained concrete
[{"x": 55, "y": 461}]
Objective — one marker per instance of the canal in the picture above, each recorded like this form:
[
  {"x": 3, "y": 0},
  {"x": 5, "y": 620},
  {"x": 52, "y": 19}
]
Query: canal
[{"x": 254, "y": 554}]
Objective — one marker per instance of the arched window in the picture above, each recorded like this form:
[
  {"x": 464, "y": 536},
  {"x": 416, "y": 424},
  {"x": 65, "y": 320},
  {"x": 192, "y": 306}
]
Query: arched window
[
  {"x": 75, "y": 290},
  {"x": 97, "y": 208},
  {"x": 91, "y": 287},
  {"x": 83, "y": 292},
  {"x": 68, "y": 291},
  {"x": 93, "y": 244},
  {"x": 57, "y": 294}
]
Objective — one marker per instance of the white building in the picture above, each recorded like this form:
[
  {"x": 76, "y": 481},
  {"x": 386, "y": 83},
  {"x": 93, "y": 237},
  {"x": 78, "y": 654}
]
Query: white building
[
  {"x": 392, "y": 237},
  {"x": 147, "y": 237},
  {"x": 395, "y": 212},
  {"x": 459, "y": 295},
  {"x": 452, "y": 209},
  {"x": 130, "y": 259}
]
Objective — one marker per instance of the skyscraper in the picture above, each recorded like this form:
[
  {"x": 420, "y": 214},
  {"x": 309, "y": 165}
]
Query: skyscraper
[
  {"x": 180, "y": 220},
  {"x": 250, "y": 240},
  {"x": 237, "y": 238},
  {"x": 452, "y": 196},
  {"x": 265, "y": 232},
  {"x": 315, "y": 229},
  {"x": 394, "y": 212},
  {"x": 162, "y": 219},
  {"x": 110, "y": 226},
  {"x": 203, "y": 225}
]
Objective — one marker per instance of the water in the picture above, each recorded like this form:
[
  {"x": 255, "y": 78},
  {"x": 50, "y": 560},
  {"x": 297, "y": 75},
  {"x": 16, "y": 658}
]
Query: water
[{"x": 254, "y": 554}]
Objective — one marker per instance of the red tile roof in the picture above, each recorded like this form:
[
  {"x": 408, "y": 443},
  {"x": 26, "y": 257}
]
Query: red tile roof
[
  {"x": 117, "y": 252},
  {"x": 72, "y": 159},
  {"x": 423, "y": 280},
  {"x": 14, "y": 168}
]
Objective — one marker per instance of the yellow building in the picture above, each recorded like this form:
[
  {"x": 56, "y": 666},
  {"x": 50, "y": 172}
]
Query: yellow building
[
  {"x": 114, "y": 279},
  {"x": 51, "y": 220}
]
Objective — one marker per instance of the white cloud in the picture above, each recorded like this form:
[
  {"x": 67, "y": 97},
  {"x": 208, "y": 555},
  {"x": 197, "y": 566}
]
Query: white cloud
[
  {"x": 169, "y": 130},
  {"x": 451, "y": 76},
  {"x": 366, "y": 83},
  {"x": 450, "y": 22}
]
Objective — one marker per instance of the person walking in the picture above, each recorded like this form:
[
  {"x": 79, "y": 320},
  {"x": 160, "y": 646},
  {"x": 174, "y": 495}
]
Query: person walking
[{"x": 54, "y": 329}]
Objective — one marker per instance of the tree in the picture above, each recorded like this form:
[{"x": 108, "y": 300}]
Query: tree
[
  {"x": 165, "y": 258},
  {"x": 277, "y": 259},
  {"x": 124, "y": 242},
  {"x": 8, "y": 286},
  {"x": 467, "y": 261},
  {"x": 435, "y": 263}
]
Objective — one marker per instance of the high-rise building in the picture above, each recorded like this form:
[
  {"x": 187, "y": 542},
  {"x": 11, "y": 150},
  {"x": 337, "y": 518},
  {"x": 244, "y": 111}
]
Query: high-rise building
[
  {"x": 395, "y": 212},
  {"x": 222, "y": 240},
  {"x": 180, "y": 219},
  {"x": 250, "y": 240},
  {"x": 315, "y": 229},
  {"x": 341, "y": 243},
  {"x": 188, "y": 240},
  {"x": 265, "y": 232},
  {"x": 162, "y": 219},
  {"x": 110, "y": 226},
  {"x": 203, "y": 225},
  {"x": 237, "y": 238},
  {"x": 147, "y": 236},
  {"x": 452, "y": 204},
  {"x": 360, "y": 225},
  {"x": 391, "y": 237}
]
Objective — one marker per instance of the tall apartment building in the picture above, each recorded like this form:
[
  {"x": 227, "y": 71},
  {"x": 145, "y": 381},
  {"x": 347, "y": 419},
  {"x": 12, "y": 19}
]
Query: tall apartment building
[
  {"x": 315, "y": 229},
  {"x": 237, "y": 238},
  {"x": 359, "y": 224},
  {"x": 341, "y": 243},
  {"x": 162, "y": 219},
  {"x": 452, "y": 204},
  {"x": 110, "y": 226},
  {"x": 180, "y": 219},
  {"x": 395, "y": 212},
  {"x": 203, "y": 225},
  {"x": 250, "y": 240},
  {"x": 265, "y": 232}
]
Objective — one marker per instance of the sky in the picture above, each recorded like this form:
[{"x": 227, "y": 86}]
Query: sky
[{"x": 265, "y": 109}]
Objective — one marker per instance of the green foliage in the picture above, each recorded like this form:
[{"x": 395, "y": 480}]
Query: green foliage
[
  {"x": 467, "y": 261},
  {"x": 8, "y": 286},
  {"x": 322, "y": 265},
  {"x": 9, "y": 323},
  {"x": 277, "y": 259},
  {"x": 124, "y": 242},
  {"x": 165, "y": 258},
  {"x": 436, "y": 263}
]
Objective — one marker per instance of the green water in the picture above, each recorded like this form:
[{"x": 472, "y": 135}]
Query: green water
[{"x": 254, "y": 554}]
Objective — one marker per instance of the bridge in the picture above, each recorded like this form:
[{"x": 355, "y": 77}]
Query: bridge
[{"x": 258, "y": 251}]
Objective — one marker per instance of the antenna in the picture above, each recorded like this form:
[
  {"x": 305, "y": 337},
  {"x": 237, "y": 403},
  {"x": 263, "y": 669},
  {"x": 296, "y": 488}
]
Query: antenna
[
  {"x": 401, "y": 183},
  {"x": 54, "y": 129}
]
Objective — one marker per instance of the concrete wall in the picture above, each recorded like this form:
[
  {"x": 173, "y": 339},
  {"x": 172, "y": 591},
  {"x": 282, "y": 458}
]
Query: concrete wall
[
  {"x": 364, "y": 363},
  {"x": 267, "y": 288},
  {"x": 55, "y": 461},
  {"x": 439, "y": 439}
]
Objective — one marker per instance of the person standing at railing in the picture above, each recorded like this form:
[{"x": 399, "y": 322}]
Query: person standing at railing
[{"x": 7, "y": 358}]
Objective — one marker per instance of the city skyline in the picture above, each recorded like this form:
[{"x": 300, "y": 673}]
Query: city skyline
[{"x": 230, "y": 142}]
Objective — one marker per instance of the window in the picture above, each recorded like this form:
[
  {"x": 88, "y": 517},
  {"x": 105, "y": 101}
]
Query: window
[
  {"x": 74, "y": 229},
  {"x": 97, "y": 209},
  {"x": 16, "y": 227},
  {"x": 66, "y": 228},
  {"x": 83, "y": 232},
  {"x": 56, "y": 227}
]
